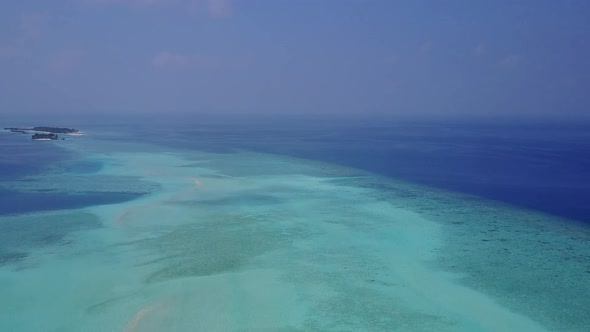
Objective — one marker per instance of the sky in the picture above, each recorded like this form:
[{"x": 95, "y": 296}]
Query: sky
[{"x": 423, "y": 59}]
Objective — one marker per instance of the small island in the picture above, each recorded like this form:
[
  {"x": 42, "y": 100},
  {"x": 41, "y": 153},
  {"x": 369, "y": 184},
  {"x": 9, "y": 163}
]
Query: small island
[
  {"x": 45, "y": 133},
  {"x": 56, "y": 130},
  {"x": 45, "y": 137},
  {"x": 17, "y": 130},
  {"x": 53, "y": 130}
]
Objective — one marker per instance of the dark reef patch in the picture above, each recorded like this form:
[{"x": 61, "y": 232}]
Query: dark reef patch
[
  {"x": 17, "y": 202},
  {"x": 21, "y": 234},
  {"x": 218, "y": 245},
  {"x": 11, "y": 257}
]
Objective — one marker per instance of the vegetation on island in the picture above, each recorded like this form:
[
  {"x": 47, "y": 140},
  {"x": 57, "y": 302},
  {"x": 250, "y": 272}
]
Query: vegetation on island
[
  {"x": 54, "y": 130},
  {"x": 43, "y": 133},
  {"x": 51, "y": 136}
]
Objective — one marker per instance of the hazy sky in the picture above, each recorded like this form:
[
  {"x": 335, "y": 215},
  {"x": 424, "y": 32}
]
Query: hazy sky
[{"x": 407, "y": 58}]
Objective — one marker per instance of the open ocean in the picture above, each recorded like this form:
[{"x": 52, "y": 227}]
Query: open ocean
[{"x": 296, "y": 226}]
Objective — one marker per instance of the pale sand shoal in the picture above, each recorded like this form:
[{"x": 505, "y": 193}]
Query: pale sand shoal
[
  {"x": 399, "y": 237},
  {"x": 274, "y": 247}
]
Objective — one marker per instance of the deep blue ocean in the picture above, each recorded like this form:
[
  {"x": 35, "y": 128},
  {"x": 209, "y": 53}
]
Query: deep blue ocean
[
  {"x": 543, "y": 167},
  {"x": 23, "y": 157}
]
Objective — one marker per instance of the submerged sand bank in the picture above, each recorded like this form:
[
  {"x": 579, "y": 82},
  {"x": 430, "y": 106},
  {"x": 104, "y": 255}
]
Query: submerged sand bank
[
  {"x": 346, "y": 259},
  {"x": 250, "y": 242}
]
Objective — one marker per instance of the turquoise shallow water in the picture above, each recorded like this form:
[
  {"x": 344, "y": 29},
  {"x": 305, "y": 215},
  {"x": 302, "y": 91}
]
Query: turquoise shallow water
[{"x": 246, "y": 241}]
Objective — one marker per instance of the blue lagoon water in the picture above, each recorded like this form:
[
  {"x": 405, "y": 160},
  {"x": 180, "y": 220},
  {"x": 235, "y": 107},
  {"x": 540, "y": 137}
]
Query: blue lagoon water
[{"x": 296, "y": 226}]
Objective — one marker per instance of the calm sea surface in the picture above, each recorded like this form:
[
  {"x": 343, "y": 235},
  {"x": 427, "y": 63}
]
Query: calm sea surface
[
  {"x": 540, "y": 167},
  {"x": 23, "y": 160}
]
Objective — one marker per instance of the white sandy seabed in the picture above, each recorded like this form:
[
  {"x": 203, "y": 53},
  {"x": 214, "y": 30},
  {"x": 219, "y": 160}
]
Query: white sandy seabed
[{"x": 247, "y": 242}]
